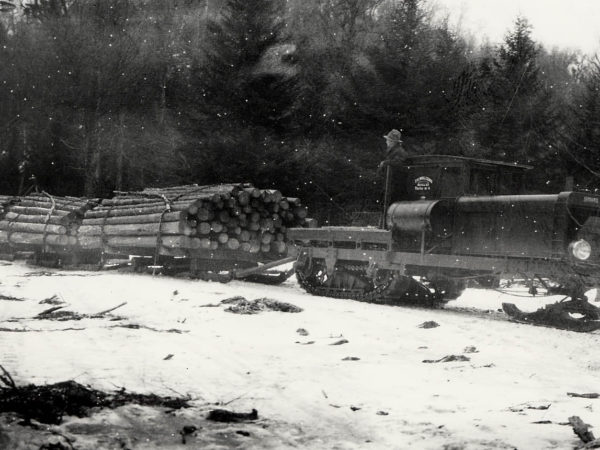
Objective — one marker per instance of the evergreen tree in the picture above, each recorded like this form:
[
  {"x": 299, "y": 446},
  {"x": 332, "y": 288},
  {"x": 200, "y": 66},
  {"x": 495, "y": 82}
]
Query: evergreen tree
[
  {"x": 238, "y": 81},
  {"x": 584, "y": 144},
  {"x": 517, "y": 121},
  {"x": 516, "y": 65},
  {"x": 396, "y": 60},
  {"x": 81, "y": 92},
  {"x": 332, "y": 37},
  {"x": 415, "y": 64}
]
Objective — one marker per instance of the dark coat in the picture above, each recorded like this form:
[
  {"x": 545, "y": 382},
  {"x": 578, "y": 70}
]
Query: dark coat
[{"x": 395, "y": 155}]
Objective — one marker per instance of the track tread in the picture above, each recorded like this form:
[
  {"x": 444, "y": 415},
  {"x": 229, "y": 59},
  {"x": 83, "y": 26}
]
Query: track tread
[{"x": 383, "y": 293}]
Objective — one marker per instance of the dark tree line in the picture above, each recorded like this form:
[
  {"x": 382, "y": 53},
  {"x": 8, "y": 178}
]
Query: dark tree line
[{"x": 97, "y": 96}]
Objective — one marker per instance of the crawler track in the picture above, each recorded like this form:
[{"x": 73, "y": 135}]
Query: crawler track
[{"x": 354, "y": 282}]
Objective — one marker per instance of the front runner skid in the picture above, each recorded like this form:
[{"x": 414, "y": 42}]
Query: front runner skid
[{"x": 573, "y": 315}]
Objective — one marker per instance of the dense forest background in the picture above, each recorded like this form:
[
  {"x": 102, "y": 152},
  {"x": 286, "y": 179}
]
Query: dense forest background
[{"x": 103, "y": 95}]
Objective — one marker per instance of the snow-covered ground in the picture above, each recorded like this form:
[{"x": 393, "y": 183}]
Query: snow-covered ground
[{"x": 308, "y": 395}]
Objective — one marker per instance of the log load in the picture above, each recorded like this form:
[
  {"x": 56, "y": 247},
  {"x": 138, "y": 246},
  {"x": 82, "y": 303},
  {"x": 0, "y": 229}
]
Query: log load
[
  {"x": 193, "y": 218},
  {"x": 41, "y": 220}
]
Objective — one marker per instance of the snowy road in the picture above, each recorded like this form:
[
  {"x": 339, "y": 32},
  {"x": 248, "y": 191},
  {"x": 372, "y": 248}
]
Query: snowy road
[{"x": 308, "y": 394}]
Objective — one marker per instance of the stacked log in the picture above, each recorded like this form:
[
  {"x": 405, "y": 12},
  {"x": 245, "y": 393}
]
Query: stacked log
[
  {"x": 5, "y": 200},
  {"x": 42, "y": 220},
  {"x": 234, "y": 217}
]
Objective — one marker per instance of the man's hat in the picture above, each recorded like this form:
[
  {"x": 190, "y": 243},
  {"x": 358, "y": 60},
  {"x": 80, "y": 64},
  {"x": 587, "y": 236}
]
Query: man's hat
[{"x": 394, "y": 136}]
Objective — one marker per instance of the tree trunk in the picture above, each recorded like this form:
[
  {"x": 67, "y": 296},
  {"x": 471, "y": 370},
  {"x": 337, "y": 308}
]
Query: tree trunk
[
  {"x": 91, "y": 151},
  {"x": 23, "y": 163},
  {"x": 163, "y": 99},
  {"x": 120, "y": 152}
]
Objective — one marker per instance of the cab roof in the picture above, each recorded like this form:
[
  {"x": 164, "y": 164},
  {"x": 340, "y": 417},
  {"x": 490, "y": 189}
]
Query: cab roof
[{"x": 441, "y": 159}]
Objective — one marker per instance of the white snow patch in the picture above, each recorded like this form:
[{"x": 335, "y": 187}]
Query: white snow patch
[{"x": 388, "y": 398}]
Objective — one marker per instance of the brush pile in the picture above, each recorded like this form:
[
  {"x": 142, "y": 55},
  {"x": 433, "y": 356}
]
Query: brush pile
[
  {"x": 48, "y": 403},
  {"x": 42, "y": 220},
  {"x": 185, "y": 219}
]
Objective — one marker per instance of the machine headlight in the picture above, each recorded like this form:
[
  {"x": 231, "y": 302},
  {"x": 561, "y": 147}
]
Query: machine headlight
[{"x": 581, "y": 249}]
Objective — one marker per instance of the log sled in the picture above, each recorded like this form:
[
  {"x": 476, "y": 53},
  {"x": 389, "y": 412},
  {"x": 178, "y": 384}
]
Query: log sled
[
  {"x": 41, "y": 222},
  {"x": 204, "y": 231}
]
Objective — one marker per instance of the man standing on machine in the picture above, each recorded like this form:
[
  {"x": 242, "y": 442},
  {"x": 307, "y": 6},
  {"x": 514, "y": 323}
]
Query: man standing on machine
[{"x": 395, "y": 155}]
